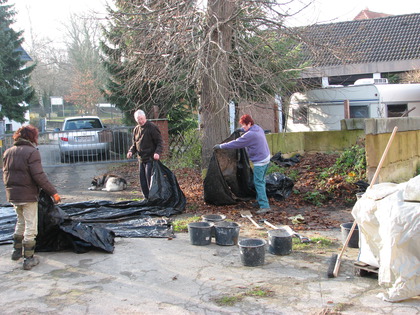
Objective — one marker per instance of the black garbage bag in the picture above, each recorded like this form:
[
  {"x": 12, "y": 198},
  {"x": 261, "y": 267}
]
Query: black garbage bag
[
  {"x": 229, "y": 177},
  {"x": 279, "y": 160},
  {"x": 57, "y": 231},
  {"x": 278, "y": 186}
]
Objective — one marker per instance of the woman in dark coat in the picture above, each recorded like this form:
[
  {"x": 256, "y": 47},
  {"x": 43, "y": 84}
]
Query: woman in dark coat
[{"x": 23, "y": 176}]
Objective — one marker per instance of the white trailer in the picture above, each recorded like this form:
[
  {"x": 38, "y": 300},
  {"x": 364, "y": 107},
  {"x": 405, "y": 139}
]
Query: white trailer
[{"x": 323, "y": 109}]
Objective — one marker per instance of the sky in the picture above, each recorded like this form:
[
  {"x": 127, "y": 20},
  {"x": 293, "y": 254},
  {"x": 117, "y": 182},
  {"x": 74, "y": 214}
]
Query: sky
[{"x": 46, "y": 17}]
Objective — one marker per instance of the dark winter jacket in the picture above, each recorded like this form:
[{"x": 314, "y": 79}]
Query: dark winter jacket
[
  {"x": 147, "y": 140},
  {"x": 23, "y": 175}
]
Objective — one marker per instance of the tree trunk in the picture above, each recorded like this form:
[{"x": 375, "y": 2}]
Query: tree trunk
[{"x": 215, "y": 89}]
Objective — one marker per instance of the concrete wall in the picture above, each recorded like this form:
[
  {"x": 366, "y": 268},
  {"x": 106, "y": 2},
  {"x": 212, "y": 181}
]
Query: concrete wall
[
  {"x": 313, "y": 141},
  {"x": 403, "y": 158}
]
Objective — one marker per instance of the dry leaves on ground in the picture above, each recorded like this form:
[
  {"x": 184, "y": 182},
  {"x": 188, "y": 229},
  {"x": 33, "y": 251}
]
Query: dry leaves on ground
[{"x": 336, "y": 208}]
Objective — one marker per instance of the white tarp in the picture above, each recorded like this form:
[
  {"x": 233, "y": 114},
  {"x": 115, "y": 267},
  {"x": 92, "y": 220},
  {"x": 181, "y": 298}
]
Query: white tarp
[{"x": 390, "y": 225}]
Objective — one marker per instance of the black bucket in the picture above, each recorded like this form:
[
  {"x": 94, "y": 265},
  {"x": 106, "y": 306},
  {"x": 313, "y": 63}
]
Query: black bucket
[
  {"x": 227, "y": 233},
  {"x": 279, "y": 242},
  {"x": 252, "y": 251},
  {"x": 345, "y": 230},
  {"x": 213, "y": 218},
  {"x": 200, "y": 233}
]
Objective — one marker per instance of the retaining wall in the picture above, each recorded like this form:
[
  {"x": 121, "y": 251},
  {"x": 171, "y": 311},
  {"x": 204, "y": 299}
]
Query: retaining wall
[
  {"x": 403, "y": 158},
  {"x": 402, "y": 161},
  {"x": 291, "y": 143}
]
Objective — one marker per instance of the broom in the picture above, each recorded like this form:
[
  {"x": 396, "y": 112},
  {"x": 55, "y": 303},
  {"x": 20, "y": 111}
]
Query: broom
[{"x": 335, "y": 260}]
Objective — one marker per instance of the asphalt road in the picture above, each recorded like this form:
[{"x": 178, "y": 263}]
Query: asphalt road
[{"x": 171, "y": 276}]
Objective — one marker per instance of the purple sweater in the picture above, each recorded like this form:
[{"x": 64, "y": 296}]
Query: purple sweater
[{"x": 254, "y": 141}]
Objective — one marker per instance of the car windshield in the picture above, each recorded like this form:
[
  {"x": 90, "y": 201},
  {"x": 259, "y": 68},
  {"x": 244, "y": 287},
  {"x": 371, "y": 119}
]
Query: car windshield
[{"x": 82, "y": 124}]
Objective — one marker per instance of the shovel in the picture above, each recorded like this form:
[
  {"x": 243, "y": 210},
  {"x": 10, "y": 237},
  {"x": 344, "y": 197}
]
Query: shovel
[
  {"x": 248, "y": 214},
  {"x": 303, "y": 239}
]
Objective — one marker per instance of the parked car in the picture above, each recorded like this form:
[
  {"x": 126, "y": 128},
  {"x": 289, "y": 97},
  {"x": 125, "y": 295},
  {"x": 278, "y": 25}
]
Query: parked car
[{"x": 84, "y": 136}]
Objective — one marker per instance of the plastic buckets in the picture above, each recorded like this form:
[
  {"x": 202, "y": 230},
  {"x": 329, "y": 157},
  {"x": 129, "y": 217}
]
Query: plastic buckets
[
  {"x": 226, "y": 233},
  {"x": 345, "y": 230},
  {"x": 252, "y": 251},
  {"x": 213, "y": 218},
  {"x": 200, "y": 232},
  {"x": 279, "y": 242}
]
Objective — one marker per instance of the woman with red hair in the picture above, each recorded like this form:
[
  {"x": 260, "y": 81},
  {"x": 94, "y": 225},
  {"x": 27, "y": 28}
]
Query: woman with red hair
[
  {"x": 23, "y": 176},
  {"x": 256, "y": 144}
]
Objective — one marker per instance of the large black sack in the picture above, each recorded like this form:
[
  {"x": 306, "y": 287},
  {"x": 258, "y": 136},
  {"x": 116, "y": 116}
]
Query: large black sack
[
  {"x": 57, "y": 231},
  {"x": 278, "y": 186},
  {"x": 281, "y": 161},
  {"x": 229, "y": 177}
]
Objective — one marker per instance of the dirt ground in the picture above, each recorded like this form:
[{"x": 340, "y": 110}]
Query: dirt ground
[
  {"x": 335, "y": 210},
  {"x": 73, "y": 181}
]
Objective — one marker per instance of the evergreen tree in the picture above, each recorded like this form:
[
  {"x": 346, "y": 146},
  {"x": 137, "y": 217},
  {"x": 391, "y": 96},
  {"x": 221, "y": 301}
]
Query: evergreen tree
[{"x": 14, "y": 76}]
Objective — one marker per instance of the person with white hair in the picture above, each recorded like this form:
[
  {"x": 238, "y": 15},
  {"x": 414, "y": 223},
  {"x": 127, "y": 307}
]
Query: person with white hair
[{"x": 148, "y": 144}]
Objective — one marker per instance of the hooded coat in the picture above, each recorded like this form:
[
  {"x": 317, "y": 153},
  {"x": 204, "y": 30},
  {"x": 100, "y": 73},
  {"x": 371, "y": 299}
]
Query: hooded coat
[{"x": 23, "y": 175}]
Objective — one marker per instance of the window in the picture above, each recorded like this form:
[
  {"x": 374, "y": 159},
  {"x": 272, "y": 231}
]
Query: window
[
  {"x": 396, "y": 110},
  {"x": 359, "y": 112},
  {"x": 300, "y": 115}
]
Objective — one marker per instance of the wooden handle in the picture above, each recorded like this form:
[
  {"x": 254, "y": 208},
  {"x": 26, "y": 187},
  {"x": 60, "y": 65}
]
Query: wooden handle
[
  {"x": 255, "y": 223},
  {"x": 338, "y": 262},
  {"x": 381, "y": 161}
]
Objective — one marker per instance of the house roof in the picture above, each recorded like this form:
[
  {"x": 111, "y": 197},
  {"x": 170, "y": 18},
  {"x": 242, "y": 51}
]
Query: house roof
[
  {"x": 386, "y": 39},
  {"x": 366, "y": 14},
  {"x": 23, "y": 54}
]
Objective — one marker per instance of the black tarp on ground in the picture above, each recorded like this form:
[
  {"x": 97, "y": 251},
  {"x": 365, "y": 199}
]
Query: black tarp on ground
[
  {"x": 93, "y": 224},
  {"x": 229, "y": 178}
]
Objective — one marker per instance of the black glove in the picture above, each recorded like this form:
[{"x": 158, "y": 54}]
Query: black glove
[{"x": 217, "y": 147}]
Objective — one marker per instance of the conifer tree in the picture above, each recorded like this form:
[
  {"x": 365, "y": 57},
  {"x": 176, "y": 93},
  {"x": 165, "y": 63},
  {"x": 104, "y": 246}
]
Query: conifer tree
[{"x": 15, "y": 90}]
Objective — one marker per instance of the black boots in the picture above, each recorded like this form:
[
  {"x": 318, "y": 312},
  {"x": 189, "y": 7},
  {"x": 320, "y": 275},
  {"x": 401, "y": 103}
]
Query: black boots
[
  {"x": 28, "y": 253},
  {"x": 17, "y": 247}
]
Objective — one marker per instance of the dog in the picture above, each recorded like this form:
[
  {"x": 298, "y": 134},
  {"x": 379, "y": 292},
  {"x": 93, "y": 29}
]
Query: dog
[{"x": 108, "y": 182}]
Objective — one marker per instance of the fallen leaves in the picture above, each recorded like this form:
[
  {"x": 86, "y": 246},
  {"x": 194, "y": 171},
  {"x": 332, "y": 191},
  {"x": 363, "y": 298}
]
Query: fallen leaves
[{"x": 335, "y": 210}]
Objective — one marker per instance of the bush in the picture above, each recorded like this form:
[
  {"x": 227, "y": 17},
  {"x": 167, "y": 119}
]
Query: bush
[
  {"x": 351, "y": 164},
  {"x": 185, "y": 150}
]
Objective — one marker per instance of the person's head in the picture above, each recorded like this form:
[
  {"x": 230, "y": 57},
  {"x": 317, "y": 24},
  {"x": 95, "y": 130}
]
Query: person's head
[
  {"x": 246, "y": 122},
  {"x": 140, "y": 117},
  {"x": 27, "y": 132}
]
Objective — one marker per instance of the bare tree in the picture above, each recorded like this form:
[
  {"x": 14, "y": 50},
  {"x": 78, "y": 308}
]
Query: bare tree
[
  {"x": 84, "y": 62},
  {"x": 412, "y": 76},
  {"x": 231, "y": 51}
]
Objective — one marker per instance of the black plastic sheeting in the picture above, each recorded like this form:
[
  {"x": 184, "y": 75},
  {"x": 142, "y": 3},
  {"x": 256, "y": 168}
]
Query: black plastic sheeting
[
  {"x": 281, "y": 161},
  {"x": 94, "y": 224},
  {"x": 229, "y": 178},
  {"x": 278, "y": 186}
]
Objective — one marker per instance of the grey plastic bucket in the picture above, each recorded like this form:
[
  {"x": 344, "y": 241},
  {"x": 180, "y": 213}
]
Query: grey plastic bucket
[
  {"x": 252, "y": 251},
  {"x": 279, "y": 242},
  {"x": 226, "y": 233},
  {"x": 345, "y": 230},
  {"x": 213, "y": 218},
  {"x": 200, "y": 233}
]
